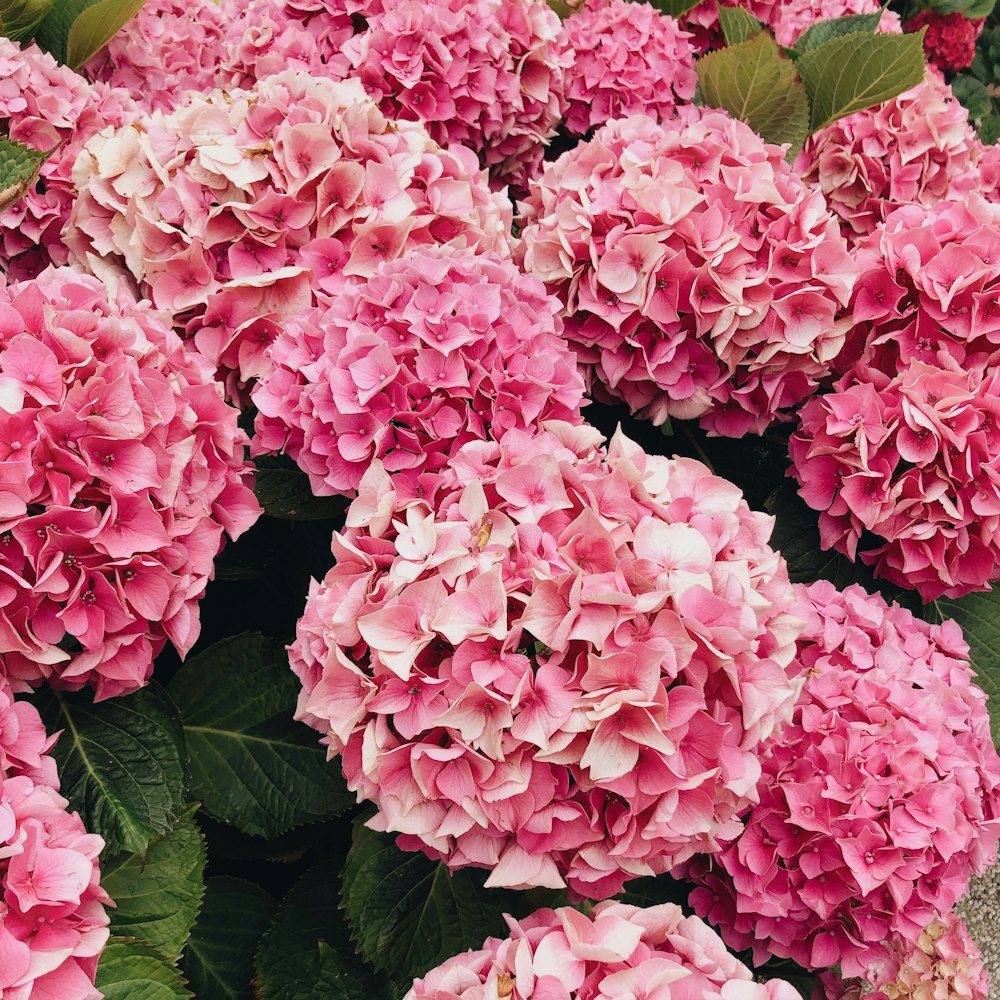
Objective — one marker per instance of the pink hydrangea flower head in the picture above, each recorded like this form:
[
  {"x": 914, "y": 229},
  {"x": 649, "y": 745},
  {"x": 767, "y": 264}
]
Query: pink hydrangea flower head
[
  {"x": 615, "y": 951},
  {"x": 121, "y": 467},
  {"x": 897, "y": 457},
  {"x": 438, "y": 348},
  {"x": 787, "y": 19},
  {"x": 627, "y": 58},
  {"x": 917, "y": 149},
  {"x": 47, "y": 106},
  {"x": 950, "y": 41},
  {"x": 168, "y": 49},
  {"x": 487, "y": 74},
  {"x": 701, "y": 277},
  {"x": 241, "y": 209},
  {"x": 878, "y": 801},
  {"x": 53, "y": 925},
  {"x": 551, "y": 659}
]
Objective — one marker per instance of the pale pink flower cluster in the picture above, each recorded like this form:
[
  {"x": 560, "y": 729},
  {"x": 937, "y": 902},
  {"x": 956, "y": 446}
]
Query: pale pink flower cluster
[
  {"x": 438, "y": 348},
  {"x": 551, "y": 660},
  {"x": 239, "y": 210},
  {"x": 877, "y": 803},
  {"x": 902, "y": 458},
  {"x": 169, "y": 48},
  {"x": 787, "y": 19},
  {"x": 484, "y": 73},
  {"x": 919, "y": 148},
  {"x": 120, "y": 468},
  {"x": 265, "y": 37},
  {"x": 701, "y": 277},
  {"x": 627, "y": 58},
  {"x": 53, "y": 925},
  {"x": 47, "y": 106},
  {"x": 616, "y": 952}
]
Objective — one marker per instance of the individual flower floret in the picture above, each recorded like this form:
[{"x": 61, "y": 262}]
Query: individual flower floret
[
  {"x": 627, "y": 58},
  {"x": 700, "y": 276},
  {"x": 617, "y": 952},
  {"x": 436, "y": 349},
  {"x": 877, "y": 803},
  {"x": 242, "y": 209},
  {"x": 551, "y": 660},
  {"x": 169, "y": 48},
  {"x": 121, "y": 467},
  {"x": 900, "y": 458},
  {"x": 918, "y": 148},
  {"x": 48, "y": 107}
]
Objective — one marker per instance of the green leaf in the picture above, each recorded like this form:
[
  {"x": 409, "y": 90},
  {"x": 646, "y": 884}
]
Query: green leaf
[
  {"x": 974, "y": 96},
  {"x": 283, "y": 490},
  {"x": 755, "y": 83},
  {"x": 96, "y": 26},
  {"x": 18, "y": 18},
  {"x": 307, "y": 951},
  {"x": 851, "y": 73},
  {"x": 989, "y": 130},
  {"x": 823, "y": 31},
  {"x": 53, "y": 30},
  {"x": 218, "y": 960},
  {"x": 129, "y": 970},
  {"x": 251, "y": 764},
  {"x": 19, "y": 166},
  {"x": 121, "y": 762},
  {"x": 979, "y": 616},
  {"x": 675, "y": 8},
  {"x": 970, "y": 8},
  {"x": 738, "y": 25},
  {"x": 157, "y": 899},
  {"x": 408, "y": 914}
]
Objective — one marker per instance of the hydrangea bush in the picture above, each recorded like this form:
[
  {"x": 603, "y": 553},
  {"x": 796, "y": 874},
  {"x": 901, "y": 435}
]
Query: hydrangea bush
[{"x": 491, "y": 472}]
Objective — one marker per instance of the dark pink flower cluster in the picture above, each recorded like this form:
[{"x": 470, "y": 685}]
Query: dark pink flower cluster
[
  {"x": 877, "y": 803},
  {"x": 701, "y": 277},
  {"x": 950, "y": 41},
  {"x": 53, "y": 925},
  {"x": 436, "y": 349},
  {"x": 169, "y": 48},
  {"x": 917, "y": 149},
  {"x": 240, "y": 210},
  {"x": 47, "y": 106},
  {"x": 786, "y": 18},
  {"x": 902, "y": 458},
  {"x": 120, "y": 468},
  {"x": 616, "y": 952},
  {"x": 484, "y": 73},
  {"x": 627, "y": 58},
  {"x": 551, "y": 660}
]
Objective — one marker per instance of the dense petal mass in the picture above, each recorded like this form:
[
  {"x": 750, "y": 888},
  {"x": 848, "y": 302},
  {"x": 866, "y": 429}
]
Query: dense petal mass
[
  {"x": 550, "y": 659},
  {"x": 701, "y": 277},
  {"x": 438, "y": 348},
  {"x": 122, "y": 469},
  {"x": 878, "y": 802}
]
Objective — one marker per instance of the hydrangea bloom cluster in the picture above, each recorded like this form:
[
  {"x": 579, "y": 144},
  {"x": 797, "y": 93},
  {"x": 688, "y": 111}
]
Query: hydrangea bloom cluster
[
  {"x": 627, "y": 58},
  {"x": 950, "y": 41},
  {"x": 53, "y": 925},
  {"x": 239, "y": 209},
  {"x": 120, "y": 468},
  {"x": 484, "y": 73},
  {"x": 440, "y": 347},
  {"x": 701, "y": 277},
  {"x": 944, "y": 962},
  {"x": 905, "y": 447},
  {"x": 916, "y": 149},
  {"x": 47, "y": 106},
  {"x": 617, "y": 951},
  {"x": 169, "y": 48},
  {"x": 551, "y": 660},
  {"x": 786, "y": 18},
  {"x": 878, "y": 801}
]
